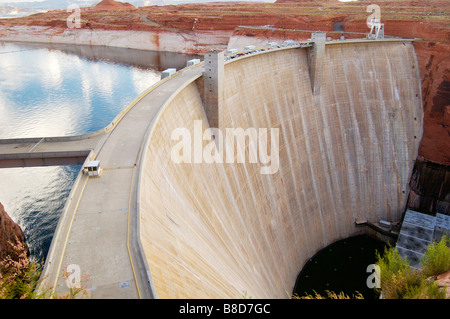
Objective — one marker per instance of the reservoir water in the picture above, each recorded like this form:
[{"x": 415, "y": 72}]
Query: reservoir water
[{"x": 61, "y": 90}]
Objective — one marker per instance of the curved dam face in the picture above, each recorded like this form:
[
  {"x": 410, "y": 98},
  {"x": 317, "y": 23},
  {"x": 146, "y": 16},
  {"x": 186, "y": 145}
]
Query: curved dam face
[{"x": 212, "y": 230}]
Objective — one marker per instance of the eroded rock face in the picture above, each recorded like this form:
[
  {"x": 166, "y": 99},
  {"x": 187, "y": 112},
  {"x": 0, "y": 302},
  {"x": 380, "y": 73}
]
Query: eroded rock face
[
  {"x": 430, "y": 188},
  {"x": 9, "y": 232},
  {"x": 443, "y": 281}
]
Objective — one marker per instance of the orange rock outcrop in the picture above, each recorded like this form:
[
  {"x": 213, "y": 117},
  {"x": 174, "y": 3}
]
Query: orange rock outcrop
[
  {"x": 443, "y": 281},
  {"x": 9, "y": 232}
]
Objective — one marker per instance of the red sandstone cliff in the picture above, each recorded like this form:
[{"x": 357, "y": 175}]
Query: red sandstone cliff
[{"x": 9, "y": 232}]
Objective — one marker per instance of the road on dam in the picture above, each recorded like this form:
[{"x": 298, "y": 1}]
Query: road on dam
[{"x": 97, "y": 234}]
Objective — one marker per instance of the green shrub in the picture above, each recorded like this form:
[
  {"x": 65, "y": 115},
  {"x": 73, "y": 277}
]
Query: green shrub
[
  {"x": 19, "y": 275},
  {"x": 436, "y": 259},
  {"x": 400, "y": 281},
  {"x": 391, "y": 264}
]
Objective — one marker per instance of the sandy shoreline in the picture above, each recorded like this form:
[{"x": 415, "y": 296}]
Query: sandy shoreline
[{"x": 193, "y": 42}]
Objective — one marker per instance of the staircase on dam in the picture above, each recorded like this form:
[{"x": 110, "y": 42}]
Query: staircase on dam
[{"x": 417, "y": 232}]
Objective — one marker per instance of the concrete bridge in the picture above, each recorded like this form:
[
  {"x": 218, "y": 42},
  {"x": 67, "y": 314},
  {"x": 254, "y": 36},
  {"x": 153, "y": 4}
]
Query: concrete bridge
[
  {"x": 350, "y": 119},
  {"x": 29, "y": 152}
]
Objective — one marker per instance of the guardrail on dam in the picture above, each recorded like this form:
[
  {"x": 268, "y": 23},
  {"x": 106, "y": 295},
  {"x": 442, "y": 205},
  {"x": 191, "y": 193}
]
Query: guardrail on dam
[{"x": 346, "y": 153}]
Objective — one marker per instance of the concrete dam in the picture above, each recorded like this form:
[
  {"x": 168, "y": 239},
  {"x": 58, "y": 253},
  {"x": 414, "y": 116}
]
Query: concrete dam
[
  {"x": 350, "y": 123},
  {"x": 349, "y": 119}
]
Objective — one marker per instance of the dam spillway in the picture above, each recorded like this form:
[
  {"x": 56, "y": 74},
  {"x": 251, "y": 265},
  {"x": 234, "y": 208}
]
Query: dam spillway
[{"x": 346, "y": 153}]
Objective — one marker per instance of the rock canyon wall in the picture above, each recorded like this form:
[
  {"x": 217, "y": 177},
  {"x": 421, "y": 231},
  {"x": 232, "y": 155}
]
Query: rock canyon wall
[{"x": 10, "y": 232}]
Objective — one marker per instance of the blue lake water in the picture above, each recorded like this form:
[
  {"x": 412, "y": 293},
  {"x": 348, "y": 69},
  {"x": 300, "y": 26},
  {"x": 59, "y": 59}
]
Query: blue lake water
[{"x": 60, "y": 90}]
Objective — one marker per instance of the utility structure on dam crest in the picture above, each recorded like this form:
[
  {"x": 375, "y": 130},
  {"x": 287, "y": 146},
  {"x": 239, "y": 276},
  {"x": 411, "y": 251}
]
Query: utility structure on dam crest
[
  {"x": 350, "y": 120},
  {"x": 213, "y": 75},
  {"x": 316, "y": 57}
]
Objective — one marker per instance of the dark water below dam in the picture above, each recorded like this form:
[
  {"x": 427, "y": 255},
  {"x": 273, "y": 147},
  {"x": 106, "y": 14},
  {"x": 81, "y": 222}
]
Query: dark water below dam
[{"x": 341, "y": 266}]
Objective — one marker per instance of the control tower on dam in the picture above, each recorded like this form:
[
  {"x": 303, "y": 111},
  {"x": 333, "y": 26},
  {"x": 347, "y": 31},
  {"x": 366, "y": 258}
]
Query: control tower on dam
[{"x": 338, "y": 130}]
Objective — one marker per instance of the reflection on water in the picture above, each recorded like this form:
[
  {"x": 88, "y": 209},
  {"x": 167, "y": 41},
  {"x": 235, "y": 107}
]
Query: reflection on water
[
  {"x": 67, "y": 90},
  {"x": 58, "y": 90}
]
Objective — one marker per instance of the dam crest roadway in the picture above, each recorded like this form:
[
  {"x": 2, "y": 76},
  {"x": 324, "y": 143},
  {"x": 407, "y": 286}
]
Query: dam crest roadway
[{"x": 108, "y": 229}]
